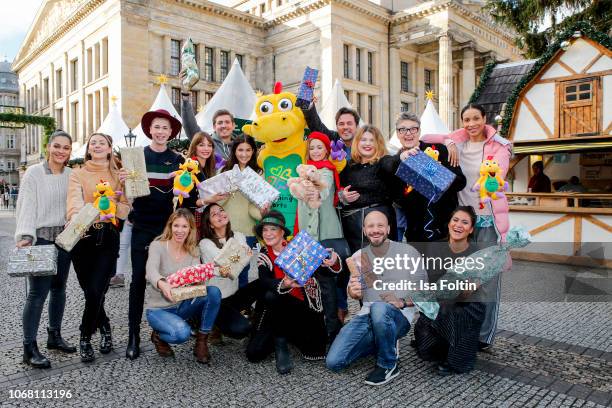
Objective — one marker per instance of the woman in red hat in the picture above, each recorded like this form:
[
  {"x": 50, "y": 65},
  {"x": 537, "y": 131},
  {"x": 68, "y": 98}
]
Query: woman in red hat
[
  {"x": 151, "y": 212},
  {"x": 323, "y": 223}
]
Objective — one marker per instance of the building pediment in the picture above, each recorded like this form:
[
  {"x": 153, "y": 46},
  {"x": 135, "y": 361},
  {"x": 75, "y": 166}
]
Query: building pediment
[{"x": 50, "y": 16}]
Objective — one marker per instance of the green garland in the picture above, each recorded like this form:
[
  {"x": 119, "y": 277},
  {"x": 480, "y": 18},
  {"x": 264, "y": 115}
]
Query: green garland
[
  {"x": 581, "y": 26},
  {"x": 47, "y": 122},
  {"x": 484, "y": 77}
]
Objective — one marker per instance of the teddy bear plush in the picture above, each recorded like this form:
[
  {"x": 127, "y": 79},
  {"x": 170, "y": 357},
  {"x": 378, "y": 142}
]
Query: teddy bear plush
[{"x": 307, "y": 185}]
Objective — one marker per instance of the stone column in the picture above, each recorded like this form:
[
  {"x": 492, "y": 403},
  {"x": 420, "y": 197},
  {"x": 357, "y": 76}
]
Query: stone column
[
  {"x": 445, "y": 79},
  {"x": 217, "y": 64},
  {"x": 468, "y": 75},
  {"x": 420, "y": 86},
  {"x": 166, "y": 55},
  {"x": 352, "y": 62},
  {"x": 394, "y": 86}
]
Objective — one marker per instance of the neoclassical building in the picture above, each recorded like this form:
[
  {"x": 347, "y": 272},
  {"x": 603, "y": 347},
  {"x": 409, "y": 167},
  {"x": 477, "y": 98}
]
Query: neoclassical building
[{"x": 387, "y": 53}]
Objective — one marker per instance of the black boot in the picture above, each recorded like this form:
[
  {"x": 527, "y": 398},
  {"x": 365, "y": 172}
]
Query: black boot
[
  {"x": 133, "y": 348},
  {"x": 56, "y": 342},
  {"x": 87, "y": 352},
  {"x": 33, "y": 357},
  {"x": 106, "y": 339},
  {"x": 284, "y": 365}
]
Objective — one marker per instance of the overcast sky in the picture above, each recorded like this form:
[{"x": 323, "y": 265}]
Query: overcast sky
[{"x": 15, "y": 21}]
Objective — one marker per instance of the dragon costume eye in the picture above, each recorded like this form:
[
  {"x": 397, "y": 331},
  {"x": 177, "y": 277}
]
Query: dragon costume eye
[
  {"x": 266, "y": 107},
  {"x": 285, "y": 105}
]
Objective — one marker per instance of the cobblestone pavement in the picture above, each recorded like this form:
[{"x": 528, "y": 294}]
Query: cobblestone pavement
[{"x": 548, "y": 353}]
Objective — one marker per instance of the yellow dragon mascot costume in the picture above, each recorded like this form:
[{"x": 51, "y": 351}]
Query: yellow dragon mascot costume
[{"x": 280, "y": 126}]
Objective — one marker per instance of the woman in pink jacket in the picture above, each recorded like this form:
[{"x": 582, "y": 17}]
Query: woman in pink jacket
[{"x": 474, "y": 143}]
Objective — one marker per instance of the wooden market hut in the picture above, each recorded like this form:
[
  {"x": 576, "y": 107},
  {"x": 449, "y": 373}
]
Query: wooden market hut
[{"x": 558, "y": 109}]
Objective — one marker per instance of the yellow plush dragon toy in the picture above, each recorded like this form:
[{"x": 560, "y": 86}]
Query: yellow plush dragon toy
[
  {"x": 490, "y": 183},
  {"x": 185, "y": 179},
  {"x": 280, "y": 127},
  {"x": 103, "y": 202}
]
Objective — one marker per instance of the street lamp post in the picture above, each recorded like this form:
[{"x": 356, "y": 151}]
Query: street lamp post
[{"x": 130, "y": 139}]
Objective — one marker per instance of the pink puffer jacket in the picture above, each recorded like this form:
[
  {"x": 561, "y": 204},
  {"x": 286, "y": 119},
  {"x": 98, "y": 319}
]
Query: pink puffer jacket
[{"x": 501, "y": 150}]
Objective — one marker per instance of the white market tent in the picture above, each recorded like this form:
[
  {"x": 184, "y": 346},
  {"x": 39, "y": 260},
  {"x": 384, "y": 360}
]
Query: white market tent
[
  {"x": 332, "y": 103},
  {"x": 235, "y": 94},
  {"x": 162, "y": 101},
  {"x": 431, "y": 122},
  {"x": 114, "y": 126}
]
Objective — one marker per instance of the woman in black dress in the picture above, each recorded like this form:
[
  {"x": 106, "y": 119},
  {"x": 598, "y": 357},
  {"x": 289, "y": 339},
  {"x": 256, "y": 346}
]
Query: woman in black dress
[{"x": 451, "y": 339}]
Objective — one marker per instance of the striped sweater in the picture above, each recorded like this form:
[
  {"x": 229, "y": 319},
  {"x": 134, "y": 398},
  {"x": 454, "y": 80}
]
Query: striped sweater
[{"x": 150, "y": 213}]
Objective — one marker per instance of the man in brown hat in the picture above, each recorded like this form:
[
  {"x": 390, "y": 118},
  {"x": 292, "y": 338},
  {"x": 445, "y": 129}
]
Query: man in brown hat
[{"x": 151, "y": 212}]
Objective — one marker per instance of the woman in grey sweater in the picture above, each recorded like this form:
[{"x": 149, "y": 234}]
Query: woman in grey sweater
[
  {"x": 41, "y": 215},
  {"x": 175, "y": 249}
]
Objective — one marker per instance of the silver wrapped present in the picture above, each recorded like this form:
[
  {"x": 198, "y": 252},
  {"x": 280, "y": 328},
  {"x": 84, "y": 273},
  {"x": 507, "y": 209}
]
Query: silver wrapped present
[
  {"x": 226, "y": 182},
  {"x": 39, "y": 260},
  {"x": 256, "y": 189},
  {"x": 77, "y": 228},
  {"x": 190, "y": 71},
  {"x": 233, "y": 255},
  {"x": 188, "y": 292},
  {"x": 137, "y": 182}
]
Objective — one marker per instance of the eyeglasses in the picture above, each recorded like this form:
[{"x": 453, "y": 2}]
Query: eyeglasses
[
  {"x": 411, "y": 130},
  {"x": 217, "y": 213}
]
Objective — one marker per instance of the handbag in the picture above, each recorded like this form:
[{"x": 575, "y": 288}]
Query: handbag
[{"x": 38, "y": 260}]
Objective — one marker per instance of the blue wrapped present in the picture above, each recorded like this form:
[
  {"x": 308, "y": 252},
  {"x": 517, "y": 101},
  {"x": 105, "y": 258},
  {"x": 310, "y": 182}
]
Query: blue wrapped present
[
  {"x": 426, "y": 175},
  {"x": 302, "y": 256},
  {"x": 307, "y": 86}
]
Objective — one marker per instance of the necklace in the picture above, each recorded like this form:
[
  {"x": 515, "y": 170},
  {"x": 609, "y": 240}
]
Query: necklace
[{"x": 176, "y": 257}]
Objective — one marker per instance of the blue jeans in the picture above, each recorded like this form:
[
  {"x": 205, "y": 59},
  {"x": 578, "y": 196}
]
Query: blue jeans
[
  {"x": 171, "y": 323},
  {"x": 38, "y": 289},
  {"x": 374, "y": 333}
]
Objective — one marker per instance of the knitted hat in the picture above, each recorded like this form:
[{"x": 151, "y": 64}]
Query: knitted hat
[{"x": 321, "y": 137}]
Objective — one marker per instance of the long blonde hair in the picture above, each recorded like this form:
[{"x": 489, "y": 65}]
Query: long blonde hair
[
  {"x": 113, "y": 161},
  {"x": 191, "y": 243},
  {"x": 379, "y": 140}
]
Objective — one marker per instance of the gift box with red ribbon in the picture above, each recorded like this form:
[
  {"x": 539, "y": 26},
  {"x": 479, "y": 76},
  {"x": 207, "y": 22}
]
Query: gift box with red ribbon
[
  {"x": 306, "y": 90},
  {"x": 191, "y": 275}
]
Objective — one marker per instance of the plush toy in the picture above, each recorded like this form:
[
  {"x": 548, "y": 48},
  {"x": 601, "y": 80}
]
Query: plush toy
[
  {"x": 104, "y": 196},
  {"x": 432, "y": 152},
  {"x": 185, "y": 179},
  {"x": 308, "y": 182},
  {"x": 490, "y": 182},
  {"x": 279, "y": 125}
]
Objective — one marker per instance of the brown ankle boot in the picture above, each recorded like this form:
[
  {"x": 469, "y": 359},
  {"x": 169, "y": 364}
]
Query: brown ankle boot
[
  {"x": 163, "y": 348},
  {"x": 201, "y": 348}
]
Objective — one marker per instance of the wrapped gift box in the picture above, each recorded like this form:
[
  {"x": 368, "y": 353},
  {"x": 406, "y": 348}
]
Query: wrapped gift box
[
  {"x": 426, "y": 175},
  {"x": 306, "y": 90},
  {"x": 256, "y": 189},
  {"x": 226, "y": 182},
  {"x": 40, "y": 260},
  {"x": 191, "y": 275},
  {"x": 78, "y": 226},
  {"x": 188, "y": 292},
  {"x": 302, "y": 256},
  {"x": 137, "y": 183},
  {"x": 235, "y": 255}
]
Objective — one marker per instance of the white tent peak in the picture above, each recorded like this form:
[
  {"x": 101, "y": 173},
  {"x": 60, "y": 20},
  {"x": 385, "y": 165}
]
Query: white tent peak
[
  {"x": 431, "y": 123},
  {"x": 114, "y": 126},
  {"x": 334, "y": 101},
  {"x": 162, "y": 101},
  {"x": 235, "y": 94}
]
